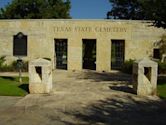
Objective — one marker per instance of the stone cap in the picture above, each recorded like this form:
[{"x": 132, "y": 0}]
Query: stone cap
[
  {"x": 40, "y": 62},
  {"x": 145, "y": 61}
]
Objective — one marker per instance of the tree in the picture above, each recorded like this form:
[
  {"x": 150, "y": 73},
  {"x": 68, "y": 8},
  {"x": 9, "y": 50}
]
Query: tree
[
  {"x": 125, "y": 9},
  {"x": 139, "y": 10},
  {"x": 36, "y": 9}
]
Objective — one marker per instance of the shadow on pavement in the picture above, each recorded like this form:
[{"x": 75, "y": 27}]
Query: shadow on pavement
[
  {"x": 126, "y": 89},
  {"x": 124, "y": 111},
  {"x": 99, "y": 77}
]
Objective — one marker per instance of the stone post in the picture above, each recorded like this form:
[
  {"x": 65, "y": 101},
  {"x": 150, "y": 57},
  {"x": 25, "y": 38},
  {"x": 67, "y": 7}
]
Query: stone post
[
  {"x": 40, "y": 76},
  {"x": 145, "y": 77},
  {"x": 163, "y": 58}
]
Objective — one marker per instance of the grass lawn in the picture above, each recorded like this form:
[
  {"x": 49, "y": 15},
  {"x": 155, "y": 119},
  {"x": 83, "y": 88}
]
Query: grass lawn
[
  {"x": 161, "y": 87},
  {"x": 9, "y": 86}
]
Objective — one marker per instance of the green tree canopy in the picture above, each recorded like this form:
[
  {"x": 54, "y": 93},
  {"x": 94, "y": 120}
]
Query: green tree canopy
[
  {"x": 36, "y": 9},
  {"x": 139, "y": 10}
]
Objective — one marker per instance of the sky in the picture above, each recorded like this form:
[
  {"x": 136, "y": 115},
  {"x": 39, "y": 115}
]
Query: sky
[{"x": 83, "y": 9}]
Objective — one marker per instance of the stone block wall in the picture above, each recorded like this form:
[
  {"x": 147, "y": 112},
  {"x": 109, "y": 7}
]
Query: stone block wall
[{"x": 139, "y": 39}]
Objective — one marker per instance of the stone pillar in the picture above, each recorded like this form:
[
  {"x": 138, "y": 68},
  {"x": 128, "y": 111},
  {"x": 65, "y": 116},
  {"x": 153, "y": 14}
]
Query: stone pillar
[
  {"x": 145, "y": 77},
  {"x": 40, "y": 76},
  {"x": 163, "y": 58}
]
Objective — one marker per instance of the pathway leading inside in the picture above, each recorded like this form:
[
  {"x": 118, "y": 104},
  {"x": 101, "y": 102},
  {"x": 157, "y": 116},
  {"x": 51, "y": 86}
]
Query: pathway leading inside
[{"x": 86, "y": 98}]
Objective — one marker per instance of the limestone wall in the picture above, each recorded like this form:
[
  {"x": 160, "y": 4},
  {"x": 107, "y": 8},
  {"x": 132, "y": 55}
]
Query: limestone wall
[{"x": 139, "y": 39}]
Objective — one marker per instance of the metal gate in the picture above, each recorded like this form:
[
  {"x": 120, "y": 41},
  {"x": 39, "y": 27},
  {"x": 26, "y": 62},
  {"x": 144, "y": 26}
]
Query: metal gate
[
  {"x": 61, "y": 53},
  {"x": 117, "y": 54}
]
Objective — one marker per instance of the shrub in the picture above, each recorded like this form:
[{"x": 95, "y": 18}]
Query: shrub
[
  {"x": 25, "y": 66},
  {"x": 2, "y": 60},
  {"x": 128, "y": 66},
  {"x": 5, "y": 68},
  {"x": 161, "y": 68},
  {"x": 12, "y": 67},
  {"x": 162, "y": 45}
]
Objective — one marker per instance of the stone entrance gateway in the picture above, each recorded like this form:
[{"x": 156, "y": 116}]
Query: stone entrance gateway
[{"x": 107, "y": 43}]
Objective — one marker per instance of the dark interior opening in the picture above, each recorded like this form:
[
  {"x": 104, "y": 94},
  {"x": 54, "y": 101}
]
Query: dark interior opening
[
  {"x": 39, "y": 71},
  {"x": 147, "y": 73},
  {"x": 117, "y": 54},
  {"x": 61, "y": 53},
  {"x": 89, "y": 54},
  {"x": 156, "y": 53}
]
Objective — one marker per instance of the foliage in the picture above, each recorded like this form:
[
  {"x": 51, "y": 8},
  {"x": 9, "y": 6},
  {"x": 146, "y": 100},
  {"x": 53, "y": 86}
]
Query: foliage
[
  {"x": 2, "y": 60},
  {"x": 162, "y": 45},
  {"x": 125, "y": 9},
  {"x": 10, "y": 86},
  {"x": 161, "y": 68},
  {"x": 36, "y": 9},
  {"x": 128, "y": 66},
  {"x": 11, "y": 67},
  {"x": 161, "y": 87},
  {"x": 139, "y": 10}
]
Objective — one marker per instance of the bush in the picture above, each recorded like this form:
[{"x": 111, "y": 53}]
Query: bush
[
  {"x": 25, "y": 66},
  {"x": 2, "y": 60},
  {"x": 161, "y": 68},
  {"x": 12, "y": 67},
  {"x": 128, "y": 66},
  {"x": 162, "y": 45}
]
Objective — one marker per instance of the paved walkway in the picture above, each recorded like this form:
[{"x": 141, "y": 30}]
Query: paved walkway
[
  {"x": 8, "y": 101},
  {"x": 86, "y": 98},
  {"x": 12, "y": 74}
]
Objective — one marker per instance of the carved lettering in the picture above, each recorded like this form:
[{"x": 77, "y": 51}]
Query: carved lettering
[
  {"x": 110, "y": 29},
  {"x": 89, "y": 29},
  {"x": 62, "y": 29},
  {"x": 82, "y": 29}
]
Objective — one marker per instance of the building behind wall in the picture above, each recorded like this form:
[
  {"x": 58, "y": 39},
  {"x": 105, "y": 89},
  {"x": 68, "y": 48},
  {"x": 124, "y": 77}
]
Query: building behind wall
[{"x": 100, "y": 45}]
